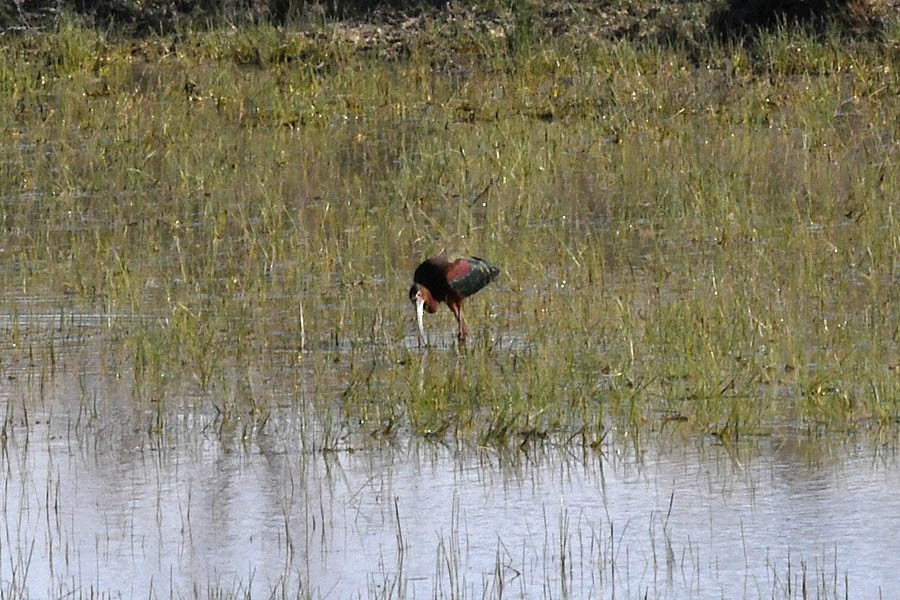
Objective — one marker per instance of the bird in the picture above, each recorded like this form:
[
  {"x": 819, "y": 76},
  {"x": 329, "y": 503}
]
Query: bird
[{"x": 441, "y": 279}]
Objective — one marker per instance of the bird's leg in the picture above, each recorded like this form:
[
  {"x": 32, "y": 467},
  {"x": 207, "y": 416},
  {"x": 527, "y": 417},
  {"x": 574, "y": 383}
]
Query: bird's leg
[{"x": 462, "y": 330}]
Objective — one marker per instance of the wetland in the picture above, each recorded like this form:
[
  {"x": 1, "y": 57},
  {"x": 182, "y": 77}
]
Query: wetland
[{"x": 685, "y": 382}]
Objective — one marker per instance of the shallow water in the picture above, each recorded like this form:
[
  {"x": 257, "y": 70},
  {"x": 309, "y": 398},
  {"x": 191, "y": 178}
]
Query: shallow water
[{"x": 95, "y": 510}]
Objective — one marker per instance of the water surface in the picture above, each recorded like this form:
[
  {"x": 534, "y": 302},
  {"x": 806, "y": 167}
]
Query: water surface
[{"x": 102, "y": 511}]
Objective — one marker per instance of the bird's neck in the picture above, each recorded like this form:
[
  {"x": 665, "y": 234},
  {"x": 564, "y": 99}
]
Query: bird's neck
[{"x": 431, "y": 305}]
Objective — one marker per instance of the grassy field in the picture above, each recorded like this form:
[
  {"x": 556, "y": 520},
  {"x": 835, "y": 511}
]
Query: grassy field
[{"x": 700, "y": 238}]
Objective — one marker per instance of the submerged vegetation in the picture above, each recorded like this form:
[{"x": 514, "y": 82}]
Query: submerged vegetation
[{"x": 694, "y": 234}]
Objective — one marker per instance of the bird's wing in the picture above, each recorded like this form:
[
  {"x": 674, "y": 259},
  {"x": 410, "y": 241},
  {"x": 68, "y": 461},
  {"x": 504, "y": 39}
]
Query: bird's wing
[{"x": 468, "y": 275}]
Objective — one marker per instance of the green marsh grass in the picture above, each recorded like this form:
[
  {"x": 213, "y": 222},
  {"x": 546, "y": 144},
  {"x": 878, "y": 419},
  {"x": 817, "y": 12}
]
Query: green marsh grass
[{"x": 704, "y": 245}]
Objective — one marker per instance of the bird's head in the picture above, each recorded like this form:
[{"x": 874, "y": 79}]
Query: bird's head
[
  {"x": 421, "y": 298},
  {"x": 414, "y": 292}
]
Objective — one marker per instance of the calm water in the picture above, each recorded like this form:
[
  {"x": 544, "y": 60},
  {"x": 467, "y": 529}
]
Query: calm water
[{"x": 92, "y": 509}]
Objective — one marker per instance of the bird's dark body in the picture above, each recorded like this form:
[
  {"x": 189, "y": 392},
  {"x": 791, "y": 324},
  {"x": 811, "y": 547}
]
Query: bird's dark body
[
  {"x": 450, "y": 281},
  {"x": 454, "y": 280}
]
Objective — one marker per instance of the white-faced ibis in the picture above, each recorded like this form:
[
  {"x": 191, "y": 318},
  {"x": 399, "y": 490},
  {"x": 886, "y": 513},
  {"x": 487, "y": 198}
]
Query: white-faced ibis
[{"x": 440, "y": 279}]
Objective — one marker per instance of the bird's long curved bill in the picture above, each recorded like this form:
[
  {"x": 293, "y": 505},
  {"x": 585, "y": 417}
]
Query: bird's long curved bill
[{"x": 420, "y": 309}]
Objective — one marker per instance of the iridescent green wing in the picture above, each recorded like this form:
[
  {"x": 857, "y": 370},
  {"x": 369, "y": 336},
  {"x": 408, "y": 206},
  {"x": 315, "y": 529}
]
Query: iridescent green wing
[{"x": 468, "y": 275}]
